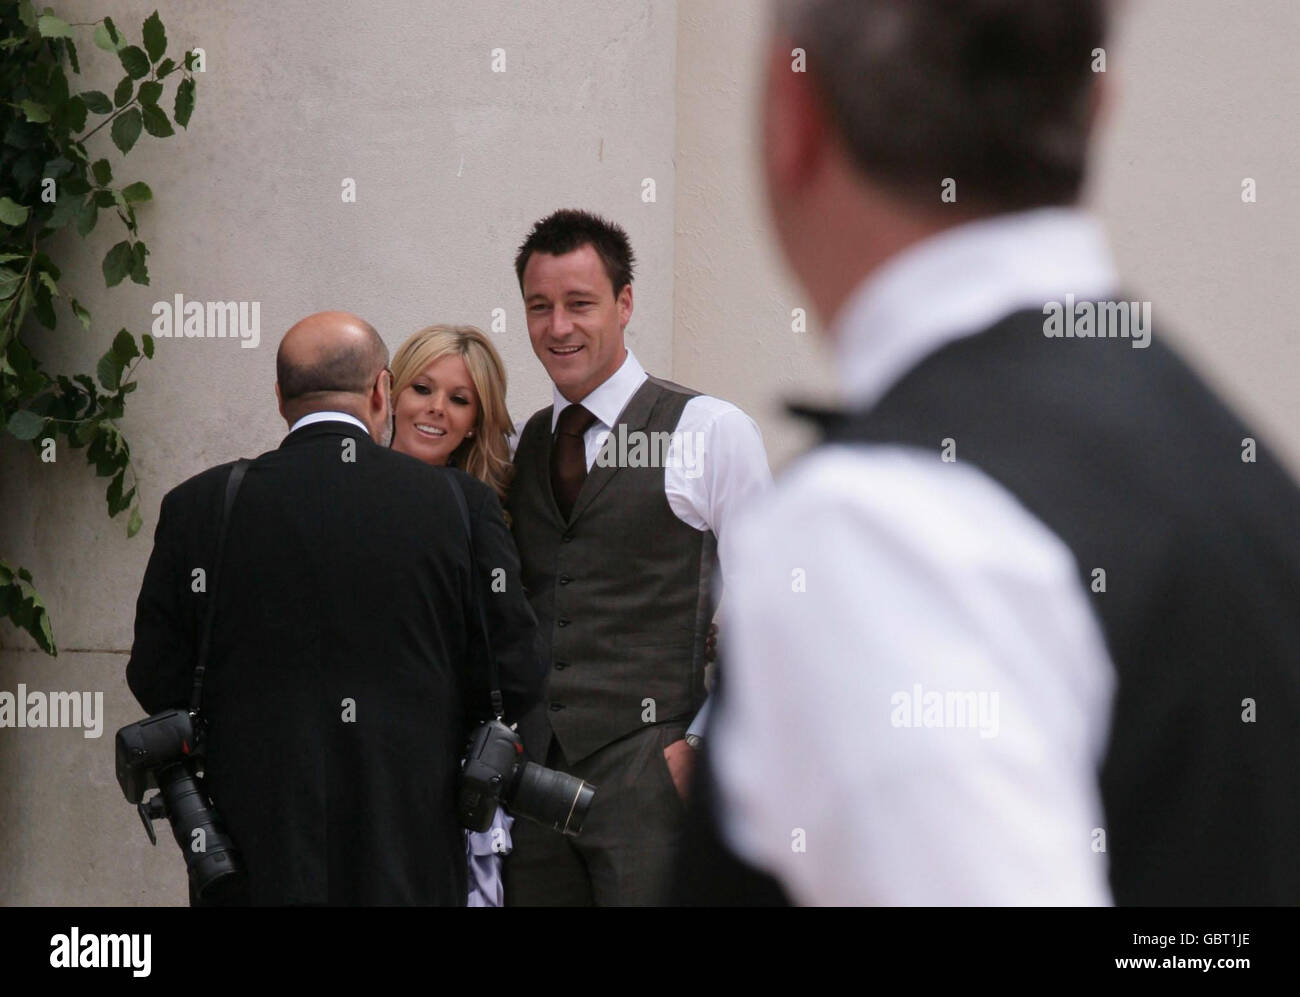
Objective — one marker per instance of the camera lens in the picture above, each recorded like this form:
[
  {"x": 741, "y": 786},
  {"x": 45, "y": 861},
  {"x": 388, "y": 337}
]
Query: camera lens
[
  {"x": 210, "y": 854},
  {"x": 553, "y": 798}
]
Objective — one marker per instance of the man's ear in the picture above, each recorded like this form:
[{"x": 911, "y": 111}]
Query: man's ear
[
  {"x": 279, "y": 402},
  {"x": 1100, "y": 97},
  {"x": 794, "y": 125},
  {"x": 624, "y": 306}
]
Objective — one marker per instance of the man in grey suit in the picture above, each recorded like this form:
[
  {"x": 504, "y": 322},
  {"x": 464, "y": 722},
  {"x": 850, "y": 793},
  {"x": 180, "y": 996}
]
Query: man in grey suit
[{"x": 622, "y": 492}]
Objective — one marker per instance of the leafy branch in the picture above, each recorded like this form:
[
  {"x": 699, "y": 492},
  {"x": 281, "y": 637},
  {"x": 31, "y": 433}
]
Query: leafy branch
[{"x": 48, "y": 182}]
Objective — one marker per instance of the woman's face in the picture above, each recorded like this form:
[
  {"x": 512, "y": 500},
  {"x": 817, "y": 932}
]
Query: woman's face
[{"x": 435, "y": 411}]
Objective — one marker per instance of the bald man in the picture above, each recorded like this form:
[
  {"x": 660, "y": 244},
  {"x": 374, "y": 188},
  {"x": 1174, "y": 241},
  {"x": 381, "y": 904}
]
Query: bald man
[{"x": 345, "y": 666}]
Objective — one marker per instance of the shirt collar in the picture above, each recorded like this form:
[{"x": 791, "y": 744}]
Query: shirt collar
[
  {"x": 610, "y": 398},
  {"x": 314, "y": 417},
  {"x": 960, "y": 282}
]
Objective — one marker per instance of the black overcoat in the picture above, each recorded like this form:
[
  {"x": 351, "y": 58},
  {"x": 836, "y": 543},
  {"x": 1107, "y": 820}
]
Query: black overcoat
[{"x": 346, "y": 665}]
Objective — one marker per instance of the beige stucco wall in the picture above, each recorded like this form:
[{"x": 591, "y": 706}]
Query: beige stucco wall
[
  {"x": 452, "y": 164},
  {"x": 1203, "y": 94}
]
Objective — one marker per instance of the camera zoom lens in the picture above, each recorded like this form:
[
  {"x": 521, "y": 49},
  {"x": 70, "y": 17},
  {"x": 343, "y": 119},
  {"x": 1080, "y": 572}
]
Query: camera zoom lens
[{"x": 553, "y": 798}]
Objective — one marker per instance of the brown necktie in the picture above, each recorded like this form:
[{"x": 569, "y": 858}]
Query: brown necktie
[{"x": 569, "y": 457}]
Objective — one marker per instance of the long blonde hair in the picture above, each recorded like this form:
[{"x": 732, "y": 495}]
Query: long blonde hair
[{"x": 485, "y": 455}]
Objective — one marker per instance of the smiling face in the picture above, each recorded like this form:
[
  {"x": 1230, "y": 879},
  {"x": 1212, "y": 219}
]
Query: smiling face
[
  {"x": 574, "y": 320},
  {"x": 436, "y": 410}
]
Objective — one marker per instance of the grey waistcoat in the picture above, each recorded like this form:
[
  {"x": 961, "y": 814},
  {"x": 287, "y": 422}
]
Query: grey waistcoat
[{"x": 621, "y": 591}]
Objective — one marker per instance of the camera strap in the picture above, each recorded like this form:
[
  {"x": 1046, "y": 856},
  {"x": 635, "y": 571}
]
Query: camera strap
[
  {"x": 205, "y": 639},
  {"x": 498, "y": 702}
]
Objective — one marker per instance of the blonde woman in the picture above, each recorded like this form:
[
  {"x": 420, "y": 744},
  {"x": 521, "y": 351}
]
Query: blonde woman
[
  {"x": 449, "y": 403},
  {"x": 449, "y": 409}
]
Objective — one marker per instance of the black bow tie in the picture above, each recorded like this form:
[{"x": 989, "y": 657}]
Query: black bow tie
[{"x": 824, "y": 418}]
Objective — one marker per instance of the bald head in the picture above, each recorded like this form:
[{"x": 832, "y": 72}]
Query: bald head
[{"x": 328, "y": 361}]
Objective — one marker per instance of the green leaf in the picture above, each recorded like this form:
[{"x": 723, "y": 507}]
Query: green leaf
[
  {"x": 109, "y": 371},
  {"x": 155, "y": 37},
  {"x": 124, "y": 347},
  {"x": 72, "y": 55},
  {"x": 184, "y": 103},
  {"x": 137, "y": 192},
  {"x": 105, "y": 198},
  {"x": 36, "y": 113},
  {"x": 65, "y": 210},
  {"x": 58, "y": 91},
  {"x": 97, "y": 101},
  {"x": 117, "y": 264},
  {"x": 122, "y": 94},
  {"x": 79, "y": 310},
  {"x": 44, "y": 308},
  {"x": 27, "y": 13},
  {"x": 48, "y": 281},
  {"x": 71, "y": 115},
  {"x": 25, "y": 425},
  {"x": 103, "y": 171},
  {"x": 12, "y": 214},
  {"x": 134, "y": 524},
  {"x": 32, "y": 380},
  {"x": 134, "y": 61},
  {"x": 109, "y": 41},
  {"x": 156, "y": 123},
  {"x": 21, "y": 135},
  {"x": 87, "y": 217},
  {"x": 126, "y": 129},
  {"x": 150, "y": 91},
  {"x": 164, "y": 68},
  {"x": 51, "y": 27},
  {"x": 44, "y": 634},
  {"x": 146, "y": 342},
  {"x": 43, "y": 262},
  {"x": 10, "y": 281},
  {"x": 139, "y": 272},
  {"x": 114, "y": 494}
]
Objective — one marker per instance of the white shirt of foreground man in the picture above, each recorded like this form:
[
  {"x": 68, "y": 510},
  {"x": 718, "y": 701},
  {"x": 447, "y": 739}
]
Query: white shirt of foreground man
[{"x": 870, "y": 577}]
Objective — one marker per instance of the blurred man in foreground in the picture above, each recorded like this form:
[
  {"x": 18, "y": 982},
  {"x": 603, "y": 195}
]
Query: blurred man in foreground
[{"x": 1022, "y": 630}]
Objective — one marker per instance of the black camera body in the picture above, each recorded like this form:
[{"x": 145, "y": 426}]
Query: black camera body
[
  {"x": 162, "y": 752},
  {"x": 494, "y": 771}
]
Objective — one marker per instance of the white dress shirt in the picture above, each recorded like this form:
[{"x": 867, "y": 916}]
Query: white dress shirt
[
  {"x": 312, "y": 417},
  {"x": 728, "y": 470},
  {"x": 874, "y": 576}
]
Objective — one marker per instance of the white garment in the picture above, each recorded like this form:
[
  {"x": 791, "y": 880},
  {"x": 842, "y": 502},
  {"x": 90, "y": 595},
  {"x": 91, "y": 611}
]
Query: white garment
[
  {"x": 313, "y": 417},
  {"x": 485, "y": 852},
  {"x": 872, "y": 577}
]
